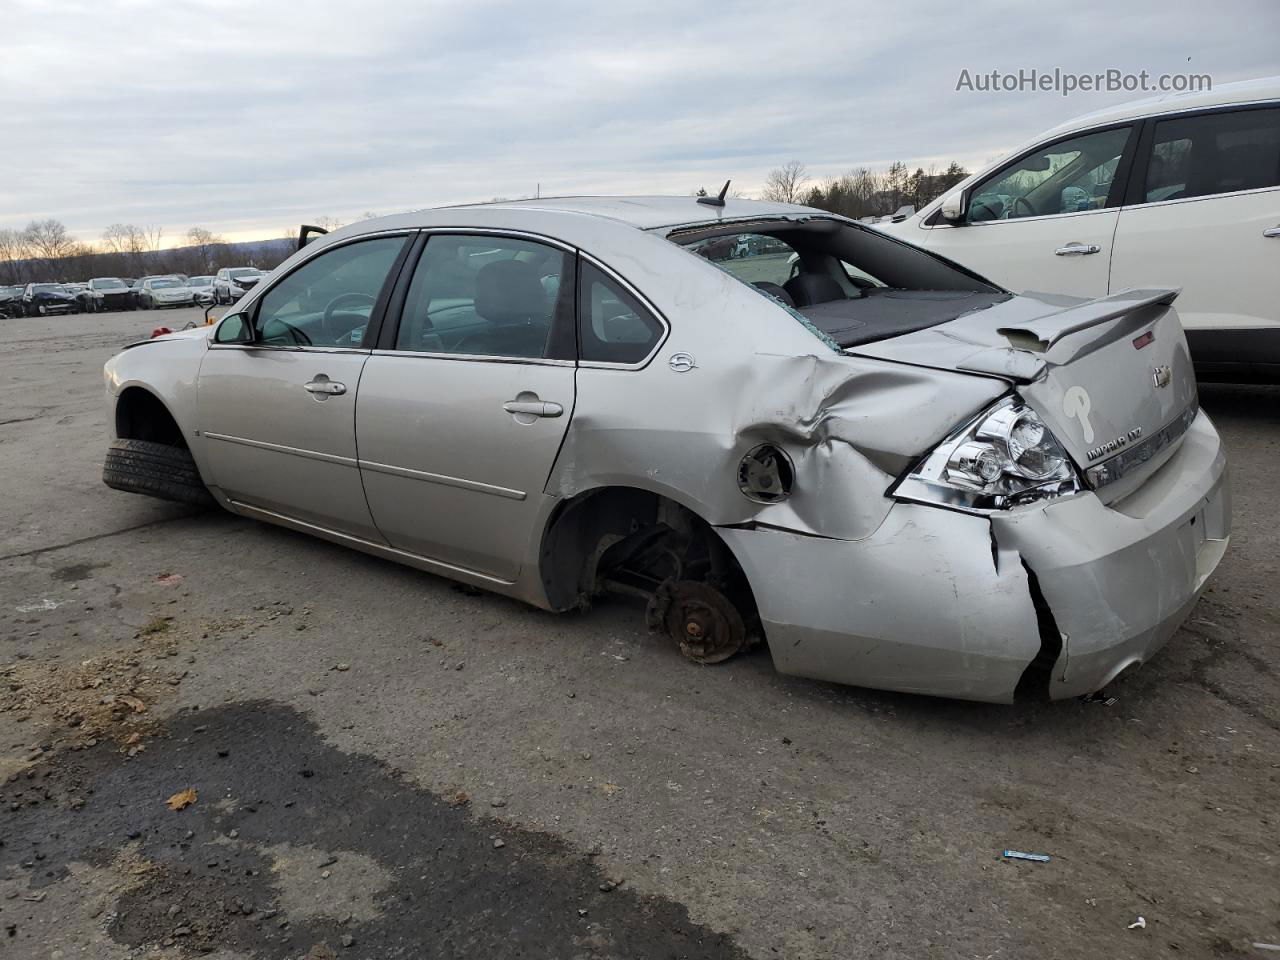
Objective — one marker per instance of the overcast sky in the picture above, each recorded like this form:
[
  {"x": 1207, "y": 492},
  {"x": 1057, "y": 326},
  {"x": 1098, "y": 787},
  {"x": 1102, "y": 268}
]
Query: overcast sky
[{"x": 247, "y": 118}]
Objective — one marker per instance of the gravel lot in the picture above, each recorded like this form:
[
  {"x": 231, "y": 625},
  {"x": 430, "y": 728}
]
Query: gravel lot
[{"x": 385, "y": 765}]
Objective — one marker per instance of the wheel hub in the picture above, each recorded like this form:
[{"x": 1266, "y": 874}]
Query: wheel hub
[{"x": 700, "y": 619}]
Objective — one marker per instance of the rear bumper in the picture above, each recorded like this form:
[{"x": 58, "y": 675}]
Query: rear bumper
[{"x": 959, "y": 605}]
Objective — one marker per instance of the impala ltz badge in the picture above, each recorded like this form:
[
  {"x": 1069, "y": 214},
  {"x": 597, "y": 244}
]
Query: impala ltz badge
[
  {"x": 1162, "y": 376},
  {"x": 1111, "y": 446}
]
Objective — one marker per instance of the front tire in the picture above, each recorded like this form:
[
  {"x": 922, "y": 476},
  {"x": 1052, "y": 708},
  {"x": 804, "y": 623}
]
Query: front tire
[{"x": 155, "y": 470}]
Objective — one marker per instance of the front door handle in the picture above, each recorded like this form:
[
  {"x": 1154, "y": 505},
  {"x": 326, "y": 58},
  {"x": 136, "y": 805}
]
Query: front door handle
[
  {"x": 533, "y": 408},
  {"x": 1074, "y": 249},
  {"x": 1271, "y": 232},
  {"x": 323, "y": 387}
]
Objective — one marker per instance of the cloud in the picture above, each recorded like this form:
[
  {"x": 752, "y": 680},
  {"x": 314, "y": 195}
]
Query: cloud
[{"x": 249, "y": 117}]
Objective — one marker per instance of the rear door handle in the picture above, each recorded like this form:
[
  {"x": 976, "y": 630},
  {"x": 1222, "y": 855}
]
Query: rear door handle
[
  {"x": 535, "y": 408},
  {"x": 1074, "y": 249},
  {"x": 1271, "y": 232},
  {"x": 323, "y": 387}
]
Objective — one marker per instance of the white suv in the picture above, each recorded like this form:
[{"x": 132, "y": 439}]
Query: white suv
[
  {"x": 1179, "y": 191},
  {"x": 232, "y": 283}
]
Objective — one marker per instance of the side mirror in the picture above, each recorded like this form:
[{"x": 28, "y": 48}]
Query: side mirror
[
  {"x": 953, "y": 207},
  {"x": 903, "y": 212},
  {"x": 234, "y": 328}
]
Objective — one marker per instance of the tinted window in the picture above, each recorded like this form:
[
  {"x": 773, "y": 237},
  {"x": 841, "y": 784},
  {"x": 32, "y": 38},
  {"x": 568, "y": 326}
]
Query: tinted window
[
  {"x": 327, "y": 301},
  {"x": 1214, "y": 153},
  {"x": 613, "y": 327},
  {"x": 1065, "y": 177},
  {"x": 484, "y": 296}
]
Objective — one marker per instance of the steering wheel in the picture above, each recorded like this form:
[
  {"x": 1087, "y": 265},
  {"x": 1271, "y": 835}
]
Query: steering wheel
[
  {"x": 1031, "y": 211},
  {"x": 342, "y": 300}
]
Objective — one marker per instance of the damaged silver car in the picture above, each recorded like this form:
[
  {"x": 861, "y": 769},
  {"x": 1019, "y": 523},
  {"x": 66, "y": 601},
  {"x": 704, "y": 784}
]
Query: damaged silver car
[{"x": 772, "y": 423}]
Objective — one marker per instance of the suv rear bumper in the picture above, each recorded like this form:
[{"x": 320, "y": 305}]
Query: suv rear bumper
[{"x": 1054, "y": 599}]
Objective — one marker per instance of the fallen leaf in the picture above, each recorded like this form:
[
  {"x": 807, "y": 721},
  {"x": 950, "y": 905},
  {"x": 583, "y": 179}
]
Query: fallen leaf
[
  {"x": 182, "y": 799},
  {"x": 136, "y": 705}
]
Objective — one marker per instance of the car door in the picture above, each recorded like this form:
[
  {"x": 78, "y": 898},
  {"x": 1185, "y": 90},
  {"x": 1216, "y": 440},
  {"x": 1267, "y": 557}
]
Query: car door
[
  {"x": 463, "y": 407},
  {"x": 277, "y": 388},
  {"x": 1045, "y": 221},
  {"x": 1203, "y": 214}
]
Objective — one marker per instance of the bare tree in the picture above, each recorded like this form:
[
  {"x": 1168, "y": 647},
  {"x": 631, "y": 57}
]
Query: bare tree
[
  {"x": 48, "y": 239},
  {"x": 785, "y": 184},
  {"x": 125, "y": 238},
  {"x": 13, "y": 253},
  {"x": 203, "y": 247}
]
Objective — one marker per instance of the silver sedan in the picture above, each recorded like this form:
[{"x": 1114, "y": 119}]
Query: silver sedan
[{"x": 772, "y": 424}]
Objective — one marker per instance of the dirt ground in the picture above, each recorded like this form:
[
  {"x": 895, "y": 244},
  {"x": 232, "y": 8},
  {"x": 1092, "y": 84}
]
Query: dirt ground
[{"x": 383, "y": 765}]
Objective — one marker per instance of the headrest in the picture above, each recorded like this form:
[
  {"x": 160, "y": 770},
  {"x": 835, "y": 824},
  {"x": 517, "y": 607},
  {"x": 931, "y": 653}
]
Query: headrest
[{"x": 509, "y": 291}]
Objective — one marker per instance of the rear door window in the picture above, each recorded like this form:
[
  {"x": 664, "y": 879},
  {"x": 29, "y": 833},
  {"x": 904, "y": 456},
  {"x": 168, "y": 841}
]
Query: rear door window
[
  {"x": 1213, "y": 153},
  {"x": 487, "y": 296}
]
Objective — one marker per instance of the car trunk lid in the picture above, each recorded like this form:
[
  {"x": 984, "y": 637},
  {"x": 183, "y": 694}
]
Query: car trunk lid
[{"x": 1112, "y": 378}]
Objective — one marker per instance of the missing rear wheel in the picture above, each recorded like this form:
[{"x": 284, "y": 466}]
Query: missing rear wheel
[{"x": 707, "y": 627}]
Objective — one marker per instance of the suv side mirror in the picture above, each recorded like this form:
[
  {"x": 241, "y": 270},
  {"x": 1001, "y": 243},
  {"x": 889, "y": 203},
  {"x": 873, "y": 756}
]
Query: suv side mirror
[
  {"x": 953, "y": 207},
  {"x": 234, "y": 328}
]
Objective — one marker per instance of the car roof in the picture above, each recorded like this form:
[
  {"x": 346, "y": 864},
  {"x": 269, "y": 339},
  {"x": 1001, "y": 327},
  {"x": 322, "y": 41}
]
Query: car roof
[
  {"x": 649, "y": 212},
  {"x": 1226, "y": 94},
  {"x": 643, "y": 213}
]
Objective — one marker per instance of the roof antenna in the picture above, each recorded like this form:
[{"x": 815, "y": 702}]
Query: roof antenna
[{"x": 716, "y": 201}]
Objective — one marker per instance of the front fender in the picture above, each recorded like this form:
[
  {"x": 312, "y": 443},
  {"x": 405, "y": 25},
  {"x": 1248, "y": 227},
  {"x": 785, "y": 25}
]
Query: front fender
[{"x": 169, "y": 368}]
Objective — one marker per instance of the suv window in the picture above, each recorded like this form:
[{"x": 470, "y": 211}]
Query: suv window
[
  {"x": 1214, "y": 153},
  {"x": 613, "y": 326},
  {"x": 485, "y": 296},
  {"x": 1064, "y": 177},
  {"x": 328, "y": 300}
]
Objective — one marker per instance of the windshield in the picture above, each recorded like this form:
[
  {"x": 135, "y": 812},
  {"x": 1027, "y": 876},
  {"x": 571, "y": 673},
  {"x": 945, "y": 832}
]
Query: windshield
[
  {"x": 48, "y": 288},
  {"x": 199, "y": 281},
  {"x": 244, "y": 272},
  {"x": 167, "y": 282},
  {"x": 111, "y": 284},
  {"x": 847, "y": 283}
]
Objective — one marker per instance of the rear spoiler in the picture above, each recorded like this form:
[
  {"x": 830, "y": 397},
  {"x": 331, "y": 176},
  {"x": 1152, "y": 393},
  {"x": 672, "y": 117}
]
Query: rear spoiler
[
  {"x": 1040, "y": 334},
  {"x": 305, "y": 231}
]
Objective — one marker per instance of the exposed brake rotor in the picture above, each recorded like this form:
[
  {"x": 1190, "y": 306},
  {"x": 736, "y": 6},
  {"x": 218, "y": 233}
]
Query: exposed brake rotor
[{"x": 700, "y": 618}]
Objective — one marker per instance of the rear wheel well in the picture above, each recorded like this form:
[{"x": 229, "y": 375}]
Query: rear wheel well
[
  {"x": 140, "y": 415},
  {"x": 626, "y": 540}
]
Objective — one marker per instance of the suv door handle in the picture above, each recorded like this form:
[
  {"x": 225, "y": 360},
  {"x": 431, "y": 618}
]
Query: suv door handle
[
  {"x": 323, "y": 387},
  {"x": 1074, "y": 249},
  {"x": 536, "y": 408},
  {"x": 1271, "y": 232}
]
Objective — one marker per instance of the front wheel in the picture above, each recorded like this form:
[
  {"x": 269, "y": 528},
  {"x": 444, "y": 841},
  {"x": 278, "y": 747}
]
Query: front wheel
[{"x": 155, "y": 470}]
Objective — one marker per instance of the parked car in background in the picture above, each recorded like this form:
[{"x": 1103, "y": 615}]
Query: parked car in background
[
  {"x": 202, "y": 287},
  {"x": 105, "y": 293},
  {"x": 232, "y": 283},
  {"x": 159, "y": 292},
  {"x": 135, "y": 288},
  {"x": 11, "y": 301},
  {"x": 43, "y": 299},
  {"x": 919, "y": 481},
  {"x": 1178, "y": 191}
]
